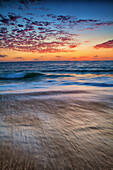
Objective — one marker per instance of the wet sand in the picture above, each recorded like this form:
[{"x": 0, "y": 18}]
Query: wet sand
[{"x": 56, "y": 131}]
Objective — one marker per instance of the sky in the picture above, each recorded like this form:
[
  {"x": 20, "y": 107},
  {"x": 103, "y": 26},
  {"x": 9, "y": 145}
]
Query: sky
[{"x": 62, "y": 30}]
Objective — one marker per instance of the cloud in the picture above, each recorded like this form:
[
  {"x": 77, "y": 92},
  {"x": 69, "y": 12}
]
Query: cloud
[
  {"x": 36, "y": 59},
  {"x": 13, "y": 17},
  {"x": 48, "y": 33},
  {"x": 73, "y": 46},
  {"x": 3, "y": 56},
  {"x": 105, "y": 58},
  {"x": 86, "y": 41},
  {"x": 96, "y": 56},
  {"x": 83, "y": 57},
  {"x": 63, "y": 18},
  {"x": 26, "y": 2},
  {"x": 44, "y": 9},
  {"x": 20, "y": 58},
  {"x": 30, "y": 14},
  {"x": 20, "y": 25},
  {"x": 107, "y": 44},
  {"x": 89, "y": 28},
  {"x": 107, "y": 23},
  {"x": 87, "y": 21},
  {"x": 58, "y": 56},
  {"x": 41, "y": 28},
  {"x": 64, "y": 39},
  {"x": 51, "y": 15},
  {"x": 39, "y": 23},
  {"x": 74, "y": 57},
  {"x": 3, "y": 30},
  {"x": 4, "y": 20},
  {"x": 28, "y": 20}
]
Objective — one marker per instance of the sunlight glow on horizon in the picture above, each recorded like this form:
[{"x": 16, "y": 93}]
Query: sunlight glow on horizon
[{"x": 32, "y": 32}]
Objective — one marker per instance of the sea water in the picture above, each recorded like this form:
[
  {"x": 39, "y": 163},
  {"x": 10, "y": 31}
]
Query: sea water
[{"x": 48, "y": 75}]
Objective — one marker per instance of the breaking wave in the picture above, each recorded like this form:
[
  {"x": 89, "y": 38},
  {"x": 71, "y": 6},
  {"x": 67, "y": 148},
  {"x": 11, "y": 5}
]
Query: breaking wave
[{"x": 20, "y": 75}]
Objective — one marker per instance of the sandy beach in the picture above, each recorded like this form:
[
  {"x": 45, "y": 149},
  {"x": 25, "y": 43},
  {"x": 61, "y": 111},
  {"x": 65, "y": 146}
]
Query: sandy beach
[
  {"x": 56, "y": 131},
  {"x": 56, "y": 84}
]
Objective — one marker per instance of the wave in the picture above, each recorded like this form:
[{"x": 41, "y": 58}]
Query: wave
[
  {"x": 101, "y": 71},
  {"x": 32, "y": 75},
  {"x": 46, "y": 73},
  {"x": 99, "y": 84},
  {"x": 20, "y": 75}
]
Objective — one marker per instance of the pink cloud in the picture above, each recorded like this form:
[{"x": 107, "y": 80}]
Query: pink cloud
[
  {"x": 107, "y": 44},
  {"x": 45, "y": 35},
  {"x": 73, "y": 46},
  {"x": 107, "y": 23}
]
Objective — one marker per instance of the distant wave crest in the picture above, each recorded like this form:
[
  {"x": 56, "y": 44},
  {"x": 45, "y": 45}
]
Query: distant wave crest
[{"x": 79, "y": 71}]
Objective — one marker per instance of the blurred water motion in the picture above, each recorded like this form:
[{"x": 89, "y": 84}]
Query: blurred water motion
[
  {"x": 16, "y": 77},
  {"x": 56, "y": 131}
]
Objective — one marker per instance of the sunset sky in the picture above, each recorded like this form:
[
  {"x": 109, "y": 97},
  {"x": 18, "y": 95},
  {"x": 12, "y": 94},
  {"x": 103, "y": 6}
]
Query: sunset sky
[{"x": 33, "y": 30}]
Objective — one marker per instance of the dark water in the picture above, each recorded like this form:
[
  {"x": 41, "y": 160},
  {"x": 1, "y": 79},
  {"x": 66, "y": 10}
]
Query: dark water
[{"x": 34, "y": 76}]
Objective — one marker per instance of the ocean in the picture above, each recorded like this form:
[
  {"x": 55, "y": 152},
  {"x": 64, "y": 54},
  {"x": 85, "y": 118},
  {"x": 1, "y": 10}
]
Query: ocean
[
  {"x": 56, "y": 115},
  {"x": 16, "y": 77}
]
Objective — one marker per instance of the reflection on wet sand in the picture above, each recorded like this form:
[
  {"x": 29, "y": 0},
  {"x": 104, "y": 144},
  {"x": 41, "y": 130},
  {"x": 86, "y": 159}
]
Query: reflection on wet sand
[{"x": 55, "y": 133}]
